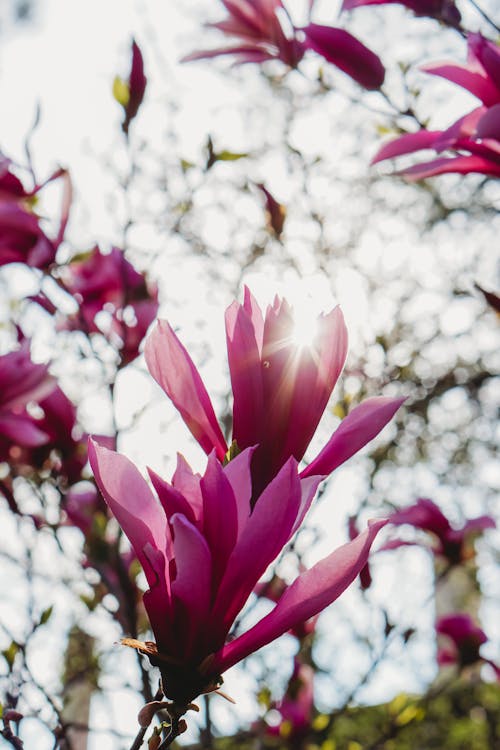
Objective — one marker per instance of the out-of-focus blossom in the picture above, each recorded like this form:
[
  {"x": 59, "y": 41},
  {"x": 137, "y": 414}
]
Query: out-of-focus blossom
[
  {"x": 130, "y": 93},
  {"x": 81, "y": 503},
  {"x": 113, "y": 298},
  {"x": 474, "y": 139},
  {"x": 464, "y": 640},
  {"x": 22, "y": 239},
  {"x": 455, "y": 545},
  {"x": 296, "y": 708},
  {"x": 275, "y": 212},
  {"x": 21, "y": 382},
  {"x": 280, "y": 390},
  {"x": 347, "y": 53},
  {"x": 197, "y": 547},
  {"x": 365, "y": 576},
  {"x": 261, "y": 34},
  {"x": 265, "y": 31},
  {"x": 442, "y": 10}
]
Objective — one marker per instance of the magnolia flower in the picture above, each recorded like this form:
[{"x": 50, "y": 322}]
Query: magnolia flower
[
  {"x": 465, "y": 639},
  {"x": 203, "y": 548},
  {"x": 265, "y": 31},
  {"x": 474, "y": 139},
  {"x": 22, "y": 239},
  {"x": 130, "y": 93},
  {"x": 108, "y": 282},
  {"x": 442, "y": 10},
  {"x": 21, "y": 382},
  {"x": 280, "y": 390},
  {"x": 453, "y": 544}
]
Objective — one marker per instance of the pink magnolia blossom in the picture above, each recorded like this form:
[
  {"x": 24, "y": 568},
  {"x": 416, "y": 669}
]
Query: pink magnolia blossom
[
  {"x": 464, "y": 639},
  {"x": 453, "y": 544},
  {"x": 442, "y": 10},
  {"x": 107, "y": 282},
  {"x": 265, "y": 31},
  {"x": 196, "y": 541},
  {"x": 134, "y": 88},
  {"x": 474, "y": 139},
  {"x": 21, "y": 382},
  {"x": 261, "y": 36},
  {"x": 22, "y": 240},
  {"x": 280, "y": 390}
]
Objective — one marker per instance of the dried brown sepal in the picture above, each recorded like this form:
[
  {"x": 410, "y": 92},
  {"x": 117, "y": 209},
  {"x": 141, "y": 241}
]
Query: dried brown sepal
[{"x": 147, "y": 712}]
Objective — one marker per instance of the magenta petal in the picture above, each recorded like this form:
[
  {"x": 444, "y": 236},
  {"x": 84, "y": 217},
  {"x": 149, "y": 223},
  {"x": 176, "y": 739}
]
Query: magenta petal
[
  {"x": 22, "y": 430},
  {"x": 406, "y": 144},
  {"x": 132, "y": 503},
  {"x": 220, "y": 517},
  {"x": 187, "y": 483},
  {"x": 310, "y": 593},
  {"x": 245, "y": 367},
  {"x": 268, "y": 529},
  {"x": 238, "y": 473},
  {"x": 171, "y": 499},
  {"x": 347, "y": 53},
  {"x": 489, "y": 124},
  {"x": 360, "y": 426},
  {"x": 192, "y": 584},
  {"x": 172, "y": 368},
  {"x": 424, "y": 514},
  {"x": 476, "y": 525},
  {"x": 245, "y": 52},
  {"x": 462, "y": 75},
  {"x": 457, "y": 164}
]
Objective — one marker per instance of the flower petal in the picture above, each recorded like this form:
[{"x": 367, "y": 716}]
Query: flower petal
[
  {"x": 172, "y": 368},
  {"x": 360, "y": 426},
  {"x": 132, "y": 503},
  {"x": 310, "y": 593},
  {"x": 407, "y": 144},
  {"x": 347, "y": 53}
]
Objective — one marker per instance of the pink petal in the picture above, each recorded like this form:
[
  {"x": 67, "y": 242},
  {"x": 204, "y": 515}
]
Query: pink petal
[
  {"x": 246, "y": 53},
  {"x": 406, "y": 144},
  {"x": 245, "y": 367},
  {"x": 347, "y": 53},
  {"x": 462, "y": 75},
  {"x": 238, "y": 473},
  {"x": 267, "y": 530},
  {"x": 132, "y": 503},
  {"x": 309, "y": 594},
  {"x": 220, "y": 519},
  {"x": 476, "y": 525},
  {"x": 489, "y": 124},
  {"x": 424, "y": 514},
  {"x": 171, "y": 499},
  {"x": 172, "y": 368},
  {"x": 457, "y": 164},
  {"x": 192, "y": 585},
  {"x": 22, "y": 430},
  {"x": 360, "y": 426}
]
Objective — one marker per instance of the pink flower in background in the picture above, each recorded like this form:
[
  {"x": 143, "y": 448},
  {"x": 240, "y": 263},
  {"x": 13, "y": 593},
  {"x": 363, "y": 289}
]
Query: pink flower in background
[
  {"x": 474, "y": 139},
  {"x": 22, "y": 239},
  {"x": 259, "y": 30},
  {"x": 107, "y": 283},
  {"x": 197, "y": 547},
  {"x": 21, "y": 382},
  {"x": 130, "y": 93},
  {"x": 464, "y": 639},
  {"x": 296, "y": 708},
  {"x": 442, "y": 10},
  {"x": 266, "y": 32},
  {"x": 280, "y": 390},
  {"x": 455, "y": 545}
]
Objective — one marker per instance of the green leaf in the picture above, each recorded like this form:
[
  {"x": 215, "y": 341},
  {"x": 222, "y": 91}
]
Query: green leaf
[
  {"x": 121, "y": 91},
  {"x": 45, "y": 616},
  {"x": 229, "y": 156},
  {"x": 10, "y": 653}
]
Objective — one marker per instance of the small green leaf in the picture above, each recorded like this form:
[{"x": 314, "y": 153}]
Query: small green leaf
[
  {"x": 229, "y": 156},
  {"x": 45, "y": 616},
  {"x": 10, "y": 653},
  {"x": 121, "y": 91}
]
